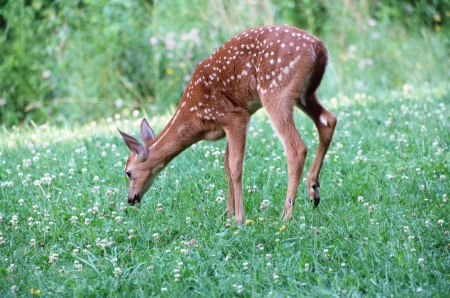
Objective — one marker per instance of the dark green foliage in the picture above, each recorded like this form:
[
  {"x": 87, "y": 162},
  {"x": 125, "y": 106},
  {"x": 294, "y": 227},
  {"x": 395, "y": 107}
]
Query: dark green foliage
[{"x": 75, "y": 61}]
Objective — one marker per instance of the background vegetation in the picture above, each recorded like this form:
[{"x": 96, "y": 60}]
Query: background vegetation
[{"x": 74, "y": 61}]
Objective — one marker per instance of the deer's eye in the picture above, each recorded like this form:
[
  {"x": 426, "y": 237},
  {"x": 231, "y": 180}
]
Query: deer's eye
[{"x": 128, "y": 174}]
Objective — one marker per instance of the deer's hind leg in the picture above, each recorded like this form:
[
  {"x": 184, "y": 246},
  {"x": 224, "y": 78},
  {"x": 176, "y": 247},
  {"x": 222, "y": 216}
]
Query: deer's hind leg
[
  {"x": 281, "y": 116},
  {"x": 325, "y": 123}
]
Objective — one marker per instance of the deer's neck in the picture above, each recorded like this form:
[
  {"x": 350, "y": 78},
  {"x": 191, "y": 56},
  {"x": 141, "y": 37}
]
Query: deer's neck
[{"x": 179, "y": 134}]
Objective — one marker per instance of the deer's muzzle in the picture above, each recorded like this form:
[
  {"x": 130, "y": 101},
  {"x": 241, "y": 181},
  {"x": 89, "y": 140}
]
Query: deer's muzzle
[{"x": 133, "y": 199}]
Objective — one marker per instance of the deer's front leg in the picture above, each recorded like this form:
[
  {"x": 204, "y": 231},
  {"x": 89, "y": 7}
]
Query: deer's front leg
[
  {"x": 234, "y": 157},
  {"x": 230, "y": 204}
]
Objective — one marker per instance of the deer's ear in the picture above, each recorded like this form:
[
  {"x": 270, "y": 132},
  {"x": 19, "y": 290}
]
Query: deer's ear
[
  {"x": 134, "y": 145},
  {"x": 146, "y": 131}
]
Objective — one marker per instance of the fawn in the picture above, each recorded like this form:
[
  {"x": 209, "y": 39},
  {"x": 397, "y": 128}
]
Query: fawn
[{"x": 275, "y": 67}]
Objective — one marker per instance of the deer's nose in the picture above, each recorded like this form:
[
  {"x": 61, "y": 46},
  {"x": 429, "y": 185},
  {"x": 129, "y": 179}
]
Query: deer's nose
[{"x": 133, "y": 199}]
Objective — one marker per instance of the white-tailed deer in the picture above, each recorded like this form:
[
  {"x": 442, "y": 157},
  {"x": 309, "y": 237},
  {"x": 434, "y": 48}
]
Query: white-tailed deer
[{"x": 275, "y": 67}]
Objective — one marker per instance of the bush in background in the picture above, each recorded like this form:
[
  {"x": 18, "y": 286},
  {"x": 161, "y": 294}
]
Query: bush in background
[{"x": 75, "y": 61}]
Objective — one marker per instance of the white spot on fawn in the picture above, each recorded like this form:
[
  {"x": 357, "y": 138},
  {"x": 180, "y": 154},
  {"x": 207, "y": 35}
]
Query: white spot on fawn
[
  {"x": 291, "y": 64},
  {"x": 273, "y": 84},
  {"x": 323, "y": 120}
]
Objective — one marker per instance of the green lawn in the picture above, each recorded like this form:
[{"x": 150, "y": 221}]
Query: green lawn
[{"x": 381, "y": 230}]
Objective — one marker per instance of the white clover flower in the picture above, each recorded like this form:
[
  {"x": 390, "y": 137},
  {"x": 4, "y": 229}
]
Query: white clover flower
[
  {"x": 326, "y": 253},
  {"x": 421, "y": 262},
  {"x": 77, "y": 265},
  {"x": 14, "y": 289},
  {"x": 264, "y": 204},
  {"x": 14, "y": 220},
  {"x": 52, "y": 258},
  {"x": 275, "y": 278},
  {"x": 239, "y": 288},
  {"x": 132, "y": 235},
  {"x": 245, "y": 265},
  {"x": 73, "y": 219},
  {"x": 306, "y": 266},
  {"x": 117, "y": 272}
]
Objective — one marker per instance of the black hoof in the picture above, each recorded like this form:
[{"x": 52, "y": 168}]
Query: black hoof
[{"x": 316, "y": 195}]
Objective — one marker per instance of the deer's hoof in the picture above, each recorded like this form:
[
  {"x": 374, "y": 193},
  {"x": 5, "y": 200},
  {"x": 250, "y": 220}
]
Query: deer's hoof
[
  {"x": 287, "y": 213},
  {"x": 316, "y": 196}
]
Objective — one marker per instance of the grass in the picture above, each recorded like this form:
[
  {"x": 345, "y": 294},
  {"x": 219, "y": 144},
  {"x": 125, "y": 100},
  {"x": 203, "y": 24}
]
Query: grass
[{"x": 382, "y": 228}]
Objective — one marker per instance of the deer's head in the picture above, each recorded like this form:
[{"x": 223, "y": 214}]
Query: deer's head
[{"x": 139, "y": 169}]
